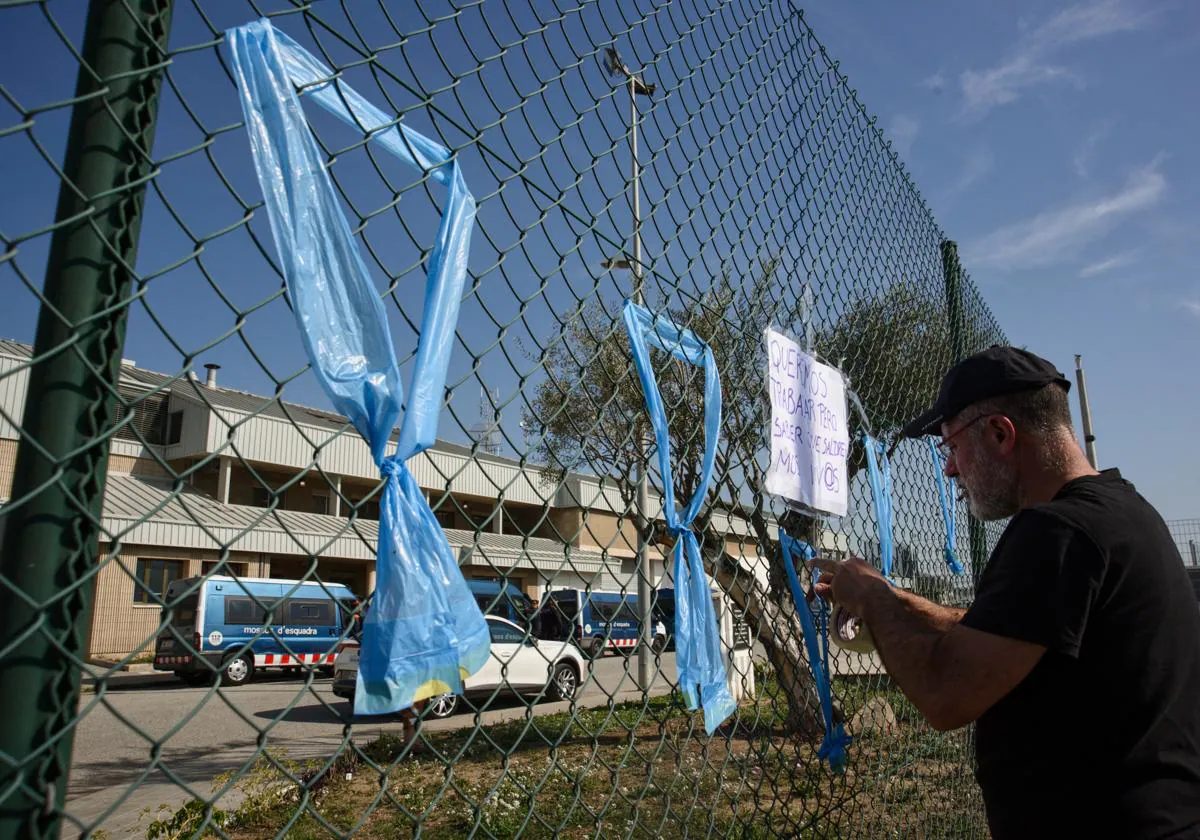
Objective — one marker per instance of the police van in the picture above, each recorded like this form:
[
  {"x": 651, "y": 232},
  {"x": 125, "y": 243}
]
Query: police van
[
  {"x": 223, "y": 621},
  {"x": 506, "y": 601},
  {"x": 596, "y": 621}
]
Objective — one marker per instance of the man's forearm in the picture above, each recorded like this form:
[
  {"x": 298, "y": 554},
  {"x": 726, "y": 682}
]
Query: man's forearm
[{"x": 907, "y": 630}]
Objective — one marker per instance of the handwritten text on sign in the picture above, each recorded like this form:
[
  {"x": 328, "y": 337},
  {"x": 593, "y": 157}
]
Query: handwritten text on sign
[{"x": 809, "y": 437}]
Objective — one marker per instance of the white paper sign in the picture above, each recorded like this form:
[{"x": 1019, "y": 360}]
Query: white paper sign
[{"x": 810, "y": 439}]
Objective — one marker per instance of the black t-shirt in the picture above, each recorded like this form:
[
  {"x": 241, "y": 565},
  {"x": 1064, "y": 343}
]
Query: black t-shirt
[{"x": 1102, "y": 738}]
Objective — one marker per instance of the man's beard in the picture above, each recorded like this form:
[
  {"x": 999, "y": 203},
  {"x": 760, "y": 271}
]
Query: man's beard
[{"x": 994, "y": 495}]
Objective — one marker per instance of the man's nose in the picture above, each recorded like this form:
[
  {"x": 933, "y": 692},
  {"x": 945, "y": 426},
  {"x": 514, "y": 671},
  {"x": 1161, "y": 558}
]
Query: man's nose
[{"x": 951, "y": 468}]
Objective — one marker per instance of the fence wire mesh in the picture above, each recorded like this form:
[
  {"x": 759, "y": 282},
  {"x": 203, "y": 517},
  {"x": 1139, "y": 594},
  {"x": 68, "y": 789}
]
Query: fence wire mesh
[
  {"x": 1186, "y": 533},
  {"x": 708, "y": 156}
]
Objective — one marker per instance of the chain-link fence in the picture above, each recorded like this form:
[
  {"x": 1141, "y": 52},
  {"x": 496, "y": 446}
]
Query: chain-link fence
[
  {"x": 706, "y": 158},
  {"x": 1186, "y": 533}
]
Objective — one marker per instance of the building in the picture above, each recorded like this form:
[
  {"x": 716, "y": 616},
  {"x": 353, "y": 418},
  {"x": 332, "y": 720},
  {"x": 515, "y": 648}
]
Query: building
[{"x": 201, "y": 475}]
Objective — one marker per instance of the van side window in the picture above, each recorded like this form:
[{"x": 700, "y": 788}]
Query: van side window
[
  {"x": 243, "y": 610},
  {"x": 601, "y": 611},
  {"x": 310, "y": 613},
  {"x": 625, "y": 612},
  {"x": 492, "y": 605}
]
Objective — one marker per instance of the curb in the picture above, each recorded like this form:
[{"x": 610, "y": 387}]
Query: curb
[{"x": 123, "y": 681}]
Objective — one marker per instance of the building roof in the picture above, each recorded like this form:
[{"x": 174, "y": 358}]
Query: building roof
[{"x": 196, "y": 390}]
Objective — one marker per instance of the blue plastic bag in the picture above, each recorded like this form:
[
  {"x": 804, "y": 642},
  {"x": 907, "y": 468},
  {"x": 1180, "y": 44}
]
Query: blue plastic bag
[
  {"x": 833, "y": 746},
  {"x": 880, "y": 475},
  {"x": 698, "y": 643},
  {"x": 949, "y": 508},
  {"x": 423, "y": 632}
]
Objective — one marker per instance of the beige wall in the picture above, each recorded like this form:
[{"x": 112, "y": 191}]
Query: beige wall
[
  {"x": 600, "y": 530},
  {"x": 119, "y": 624},
  {"x": 743, "y": 548},
  {"x": 8, "y": 465},
  {"x": 564, "y": 525},
  {"x": 137, "y": 466}
]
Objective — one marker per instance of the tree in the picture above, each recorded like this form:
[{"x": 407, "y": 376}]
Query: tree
[{"x": 589, "y": 413}]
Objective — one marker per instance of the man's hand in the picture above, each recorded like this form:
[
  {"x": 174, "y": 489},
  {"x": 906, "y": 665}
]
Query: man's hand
[
  {"x": 952, "y": 673},
  {"x": 847, "y": 583}
]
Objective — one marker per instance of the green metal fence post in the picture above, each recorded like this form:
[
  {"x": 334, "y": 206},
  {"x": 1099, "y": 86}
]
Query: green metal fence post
[
  {"x": 50, "y": 537},
  {"x": 952, "y": 277}
]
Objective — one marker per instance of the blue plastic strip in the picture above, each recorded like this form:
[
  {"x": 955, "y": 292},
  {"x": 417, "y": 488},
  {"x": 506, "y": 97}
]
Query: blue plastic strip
[
  {"x": 423, "y": 632},
  {"x": 816, "y": 642},
  {"x": 949, "y": 508},
  {"x": 698, "y": 643},
  {"x": 880, "y": 474}
]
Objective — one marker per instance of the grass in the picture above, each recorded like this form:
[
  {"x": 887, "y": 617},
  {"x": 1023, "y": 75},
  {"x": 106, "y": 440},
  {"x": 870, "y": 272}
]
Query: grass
[{"x": 637, "y": 770}]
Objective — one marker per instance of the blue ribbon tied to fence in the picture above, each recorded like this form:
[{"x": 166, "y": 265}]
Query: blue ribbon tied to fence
[
  {"x": 949, "y": 508},
  {"x": 816, "y": 643},
  {"x": 423, "y": 632},
  {"x": 697, "y": 641},
  {"x": 879, "y": 473}
]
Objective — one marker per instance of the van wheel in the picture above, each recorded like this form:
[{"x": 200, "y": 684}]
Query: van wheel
[
  {"x": 238, "y": 671},
  {"x": 658, "y": 644},
  {"x": 596, "y": 650}
]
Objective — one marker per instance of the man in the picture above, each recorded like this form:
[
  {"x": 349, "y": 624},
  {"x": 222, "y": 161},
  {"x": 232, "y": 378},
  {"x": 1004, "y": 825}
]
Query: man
[{"x": 1080, "y": 656}]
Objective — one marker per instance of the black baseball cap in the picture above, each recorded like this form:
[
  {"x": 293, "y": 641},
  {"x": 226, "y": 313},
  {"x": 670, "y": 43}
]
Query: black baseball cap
[{"x": 993, "y": 372}]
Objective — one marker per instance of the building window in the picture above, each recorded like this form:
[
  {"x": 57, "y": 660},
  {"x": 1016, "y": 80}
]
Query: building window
[
  {"x": 141, "y": 417},
  {"x": 320, "y": 503},
  {"x": 366, "y": 509},
  {"x": 154, "y": 576},
  {"x": 261, "y": 497},
  {"x": 174, "y": 427},
  {"x": 445, "y": 516},
  {"x": 209, "y": 567}
]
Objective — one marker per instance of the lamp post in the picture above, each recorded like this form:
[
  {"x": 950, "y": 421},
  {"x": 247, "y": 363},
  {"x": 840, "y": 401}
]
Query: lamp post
[
  {"x": 616, "y": 67},
  {"x": 1085, "y": 414}
]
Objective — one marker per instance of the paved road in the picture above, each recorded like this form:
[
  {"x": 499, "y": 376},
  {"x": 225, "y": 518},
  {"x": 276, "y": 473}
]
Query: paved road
[{"x": 200, "y": 735}]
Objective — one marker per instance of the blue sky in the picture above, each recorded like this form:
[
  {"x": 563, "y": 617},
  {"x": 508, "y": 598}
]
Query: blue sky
[
  {"x": 1051, "y": 141},
  {"x": 1054, "y": 142}
]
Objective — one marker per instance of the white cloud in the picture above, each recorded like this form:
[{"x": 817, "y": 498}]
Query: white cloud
[
  {"x": 935, "y": 83},
  {"x": 1028, "y": 61},
  {"x": 903, "y": 133},
  {"x": 1083, "y": 157},
  {"x": 1192, "y": 306},
  {"x": 976, "y": 165},
  {"x": 1054, "y": 237},
  {"x": 1108, "y": 264}
]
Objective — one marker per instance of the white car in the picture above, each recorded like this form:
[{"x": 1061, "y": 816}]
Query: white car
[{"x": 520, "y": 663}]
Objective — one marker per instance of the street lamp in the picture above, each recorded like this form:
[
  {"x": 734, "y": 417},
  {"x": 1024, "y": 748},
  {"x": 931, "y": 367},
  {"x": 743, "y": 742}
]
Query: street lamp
[{"x": 617, "y": 68}]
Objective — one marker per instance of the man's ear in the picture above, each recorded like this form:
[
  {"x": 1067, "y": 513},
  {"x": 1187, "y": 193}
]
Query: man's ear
[{"x": 1001, "y": 431}]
